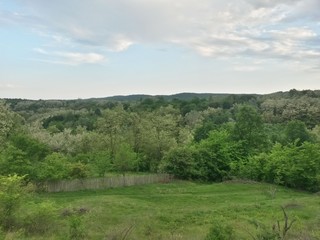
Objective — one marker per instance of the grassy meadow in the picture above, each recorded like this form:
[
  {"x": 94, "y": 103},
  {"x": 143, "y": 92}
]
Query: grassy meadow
[{"x": 185, "y": 210}]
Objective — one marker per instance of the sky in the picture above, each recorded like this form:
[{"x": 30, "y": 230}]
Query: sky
[{"x": 70, "y": 49}]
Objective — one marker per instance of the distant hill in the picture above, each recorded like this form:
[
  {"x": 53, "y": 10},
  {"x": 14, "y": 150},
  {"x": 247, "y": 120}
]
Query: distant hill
[
  {"x": 180, "y": 96},
  {"x": 226, "y": 99}
]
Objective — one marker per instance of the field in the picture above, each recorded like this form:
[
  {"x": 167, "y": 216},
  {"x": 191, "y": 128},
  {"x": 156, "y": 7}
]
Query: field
[{"x": 187, "y": 210}]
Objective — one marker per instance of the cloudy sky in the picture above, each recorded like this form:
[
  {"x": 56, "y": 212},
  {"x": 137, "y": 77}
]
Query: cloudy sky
[{"x": 97, "y": 48}]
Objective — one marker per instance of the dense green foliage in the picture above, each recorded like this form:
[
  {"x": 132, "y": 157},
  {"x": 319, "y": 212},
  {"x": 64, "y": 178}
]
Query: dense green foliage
[
  {"x": 22, "y": 214},
  {"x": 207, "y": 137},
  {"x": 292, "y": 166}
]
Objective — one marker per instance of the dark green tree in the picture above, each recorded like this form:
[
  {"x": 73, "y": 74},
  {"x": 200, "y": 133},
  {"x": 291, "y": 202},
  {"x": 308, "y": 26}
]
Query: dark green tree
[
  {"x": 180, "y": 162},
  {"x": 15, "y": 161},
  {"x": 249, "y": 129},
  {"x": 35, "y": 150},
  {"x": 296, "y": 131},
  {"x": 215, "y": 154}
]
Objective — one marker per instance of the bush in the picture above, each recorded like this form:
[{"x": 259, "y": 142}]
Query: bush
[
  {"x": 252, "y": 168},
  {"x": 40, "y": 218},
  {"x": 125, "y": 159},
  {"x": 76, "y": 228},
  {"x": 209, "y": 160},
  {"x": 54, "y": 167},
  {"x": 292, "y": 166},
  {"x": 295, "y": 166},
  {"x": 13, "y": 192},
  {"x": 79, "y": 170},
  {"x": 220, "y": 231},
  {"x": 215, "y": 156},
  {"x": 18, "y": 215},
  {"x": 180, "y": 162}
]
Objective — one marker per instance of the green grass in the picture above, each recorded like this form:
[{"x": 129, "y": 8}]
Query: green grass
[{"x": 187, "y": 210}]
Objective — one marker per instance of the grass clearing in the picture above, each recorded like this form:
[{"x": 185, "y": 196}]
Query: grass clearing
[{"x": 187, "y": 210}]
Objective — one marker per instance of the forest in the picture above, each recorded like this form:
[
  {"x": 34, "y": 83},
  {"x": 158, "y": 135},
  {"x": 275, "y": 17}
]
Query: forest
[{"x": 272, "y": 138}]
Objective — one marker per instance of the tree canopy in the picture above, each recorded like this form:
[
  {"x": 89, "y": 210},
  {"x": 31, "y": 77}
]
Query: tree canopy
[{"x": 208, "y": 137}]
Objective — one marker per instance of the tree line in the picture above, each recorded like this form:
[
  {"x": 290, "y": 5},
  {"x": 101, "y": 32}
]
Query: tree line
[{"x": 273, "y": 138}]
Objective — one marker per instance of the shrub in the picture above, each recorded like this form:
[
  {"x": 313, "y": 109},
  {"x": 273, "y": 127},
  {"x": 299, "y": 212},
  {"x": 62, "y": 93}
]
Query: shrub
[
  {"x": 220, "y": 231},
  {"x": 180, "y": 162},
  {"x": 292, "y": 166},
  {"x": 215, "y": 156},
  {"x": 54, "y": 167},
  {"x": 209, "y": 160},
  {"x": 13, "y": 192},
  {"x": 79, "y": 170},
  {"x": 40, "y": 218},
  {"x": 76, "y": 228}
]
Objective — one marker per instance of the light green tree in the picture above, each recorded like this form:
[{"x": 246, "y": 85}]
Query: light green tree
[
  {"x": 13, "y": 192},
  {"x": 6, "y": 122},
  {"x": 160, "y": 134},
  {"x": 125, "y": 159},
  {"x": 113, "y": 124},
  {"x": 101, "y": 162},
  {"x": 54, "y": 167}
]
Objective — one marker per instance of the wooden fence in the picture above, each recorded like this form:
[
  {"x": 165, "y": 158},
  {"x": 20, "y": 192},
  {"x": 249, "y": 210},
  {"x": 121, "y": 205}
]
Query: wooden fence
[{"x": 104, "y": 183}]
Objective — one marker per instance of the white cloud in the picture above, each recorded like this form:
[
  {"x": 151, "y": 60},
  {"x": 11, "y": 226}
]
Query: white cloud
[
  {"x": 70, "y": 58},
  {"x": 266, "y": 28},
  {"x": 246, "y": 68},
  {"x": 40, "y": 50},
  {"x": 119, "y": 43},
  {"x": 270, "y": 3},
  {"x": 8, "y": 86},
  {"x": 78, "y": 58},
  {"x": 294, "y": 33}
]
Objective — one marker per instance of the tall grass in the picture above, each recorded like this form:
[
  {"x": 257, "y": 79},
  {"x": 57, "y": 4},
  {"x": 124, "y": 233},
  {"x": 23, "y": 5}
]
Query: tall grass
[{"x": 190, "y": 211}]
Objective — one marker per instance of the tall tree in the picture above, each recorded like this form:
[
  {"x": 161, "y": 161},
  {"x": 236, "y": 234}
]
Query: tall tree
[
  {"x": 113, "y": 124},
  {"x": 160, "y": 134},
  {"x": 296, "y": 131},
  {"x": 249, "y": 129},
  {"x": 6, "y": 122}
]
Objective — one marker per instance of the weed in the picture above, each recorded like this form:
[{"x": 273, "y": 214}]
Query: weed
[
  {"x": 123, "y": 234},
  {"x": 271, "y": 192},
  {"x": 76, "y": 228},
  {"x": 220, "y": 230},
  {"x": 282, "y": 231},
  {"x": 277, "y": 232}
]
